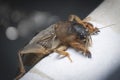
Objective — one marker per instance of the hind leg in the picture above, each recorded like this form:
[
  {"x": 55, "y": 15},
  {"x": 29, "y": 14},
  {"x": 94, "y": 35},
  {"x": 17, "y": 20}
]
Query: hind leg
[
  {"x": 38, "y": 52},
  {"x": 22, "y": 69}
]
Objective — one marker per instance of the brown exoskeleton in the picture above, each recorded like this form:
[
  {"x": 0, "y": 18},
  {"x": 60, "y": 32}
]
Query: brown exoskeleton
[{"x": 75, "y": 33}]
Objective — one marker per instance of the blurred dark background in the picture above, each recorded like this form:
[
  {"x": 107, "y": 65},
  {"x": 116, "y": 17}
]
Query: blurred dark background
[{"x": 20, "y": 20}]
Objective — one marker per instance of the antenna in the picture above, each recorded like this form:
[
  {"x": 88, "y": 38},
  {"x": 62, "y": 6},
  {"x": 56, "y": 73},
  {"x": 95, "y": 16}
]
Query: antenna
[{"x": 106, "y": 26}]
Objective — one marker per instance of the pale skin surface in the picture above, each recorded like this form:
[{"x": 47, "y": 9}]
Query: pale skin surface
[{"x": 56, "y": 47}]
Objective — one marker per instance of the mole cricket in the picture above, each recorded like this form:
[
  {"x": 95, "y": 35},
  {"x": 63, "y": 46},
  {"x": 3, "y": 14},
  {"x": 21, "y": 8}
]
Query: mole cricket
[{"x": 74, "y": 32}]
